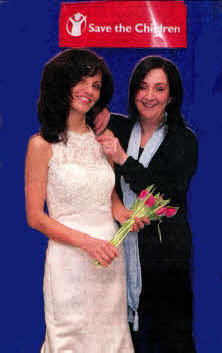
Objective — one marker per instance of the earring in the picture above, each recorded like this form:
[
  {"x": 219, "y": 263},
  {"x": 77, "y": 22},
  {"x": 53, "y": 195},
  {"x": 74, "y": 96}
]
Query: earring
[{"x": 170, "y": 100}]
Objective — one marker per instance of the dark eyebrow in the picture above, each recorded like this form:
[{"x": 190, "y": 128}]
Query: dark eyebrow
[
  {"x": 157, "y": 83},
  {"x": 161, "y": 83}
]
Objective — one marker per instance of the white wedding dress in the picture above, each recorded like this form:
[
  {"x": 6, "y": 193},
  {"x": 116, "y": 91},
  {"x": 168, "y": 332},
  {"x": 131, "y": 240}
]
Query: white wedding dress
[{"x": 85, "y": 307}]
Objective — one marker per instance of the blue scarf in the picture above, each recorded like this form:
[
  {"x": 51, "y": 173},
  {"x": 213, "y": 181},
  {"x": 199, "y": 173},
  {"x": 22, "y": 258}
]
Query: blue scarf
[{"x": 133, "y": 269}]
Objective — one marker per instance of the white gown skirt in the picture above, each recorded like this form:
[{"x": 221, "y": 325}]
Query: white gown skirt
[{"x": 85, "y": 307}]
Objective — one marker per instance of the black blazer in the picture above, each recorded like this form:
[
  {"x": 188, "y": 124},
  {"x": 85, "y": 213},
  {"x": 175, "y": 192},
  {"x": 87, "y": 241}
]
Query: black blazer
[{"x": 170, "y": 170}]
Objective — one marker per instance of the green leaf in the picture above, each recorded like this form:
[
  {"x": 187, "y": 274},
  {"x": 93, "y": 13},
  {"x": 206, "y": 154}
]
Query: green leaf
[{"x": 154, "y": 218}]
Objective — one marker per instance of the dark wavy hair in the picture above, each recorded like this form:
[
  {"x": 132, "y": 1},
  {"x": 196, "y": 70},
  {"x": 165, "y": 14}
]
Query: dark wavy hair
[
  {"x": 59, "y": 75},
  {"x": 175, "y": 84}
]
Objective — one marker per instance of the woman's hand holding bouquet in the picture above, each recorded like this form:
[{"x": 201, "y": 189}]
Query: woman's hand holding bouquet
[{"x": 152, "y": 207}]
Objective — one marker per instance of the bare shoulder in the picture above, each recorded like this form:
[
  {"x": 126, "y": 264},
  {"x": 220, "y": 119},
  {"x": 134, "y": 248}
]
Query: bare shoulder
[
  {"x": 37, "y": 142},
  {"x": 38, "y": 146},
  {"x": 39, "y": 151}
]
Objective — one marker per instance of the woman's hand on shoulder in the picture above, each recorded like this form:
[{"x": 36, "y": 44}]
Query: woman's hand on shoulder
[
  {"x": 100, "y": 250},
  {"x": 111, "y": 147},
  {"x": 36, "y": 169},
  {"x": 107, "y": 133},
  {"x": 101, "y": 120}
]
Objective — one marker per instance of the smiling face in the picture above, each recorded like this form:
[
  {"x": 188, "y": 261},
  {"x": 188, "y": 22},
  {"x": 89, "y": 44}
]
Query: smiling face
[
  {"x": 152, "y": 96},
  {"x": 85, "y": 93}
]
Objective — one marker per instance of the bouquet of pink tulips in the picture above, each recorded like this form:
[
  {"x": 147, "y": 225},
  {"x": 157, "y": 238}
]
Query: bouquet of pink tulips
[{"x": 147, "y": 204}]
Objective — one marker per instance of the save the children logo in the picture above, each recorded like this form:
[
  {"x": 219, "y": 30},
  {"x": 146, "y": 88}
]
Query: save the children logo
[
  {"x": 76, "y": 24},
  {"x": 155, "y": 24}
]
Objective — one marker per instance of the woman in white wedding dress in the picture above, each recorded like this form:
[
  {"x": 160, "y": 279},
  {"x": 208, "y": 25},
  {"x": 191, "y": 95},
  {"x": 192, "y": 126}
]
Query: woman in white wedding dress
[{"x": 85, "y": 307}]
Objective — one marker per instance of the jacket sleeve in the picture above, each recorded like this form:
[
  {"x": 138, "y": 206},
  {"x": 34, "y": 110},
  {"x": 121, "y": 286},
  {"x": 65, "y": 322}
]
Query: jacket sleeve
[
  {"x": 170, "y": 172},
  {"x": 117, "y": 123}
]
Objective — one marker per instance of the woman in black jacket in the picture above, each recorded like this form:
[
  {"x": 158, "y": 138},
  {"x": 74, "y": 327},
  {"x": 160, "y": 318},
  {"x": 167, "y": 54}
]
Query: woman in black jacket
[{"x": 154, "y": 146}]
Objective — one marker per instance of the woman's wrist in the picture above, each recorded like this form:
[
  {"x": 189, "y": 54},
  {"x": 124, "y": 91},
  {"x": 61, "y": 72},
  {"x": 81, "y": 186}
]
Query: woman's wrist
[
  {"x": 122, "y": 158},
  {"x": 82, "y": 241}
]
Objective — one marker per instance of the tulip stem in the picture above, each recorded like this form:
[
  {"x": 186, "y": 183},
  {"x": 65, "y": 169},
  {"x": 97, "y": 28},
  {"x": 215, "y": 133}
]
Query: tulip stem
[{"x": 159, "y": 231}]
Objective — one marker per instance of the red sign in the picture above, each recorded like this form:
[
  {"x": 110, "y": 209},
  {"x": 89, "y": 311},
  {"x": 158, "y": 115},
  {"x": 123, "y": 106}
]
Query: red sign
[{"x": 123, "y": 24}]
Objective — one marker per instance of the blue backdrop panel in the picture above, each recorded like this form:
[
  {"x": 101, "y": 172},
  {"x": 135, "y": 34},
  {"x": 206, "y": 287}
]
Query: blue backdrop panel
[{"x": 29, "y": 37}]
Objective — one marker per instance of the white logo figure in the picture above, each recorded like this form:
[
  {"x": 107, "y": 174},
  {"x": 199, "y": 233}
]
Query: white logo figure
[{"x": 77, "y": 24}]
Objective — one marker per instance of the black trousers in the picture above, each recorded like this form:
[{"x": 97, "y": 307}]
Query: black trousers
[{"x": 165, "y": 313}]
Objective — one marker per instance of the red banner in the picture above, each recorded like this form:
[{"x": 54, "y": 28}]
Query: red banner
[{"x": 123, "y": 24}]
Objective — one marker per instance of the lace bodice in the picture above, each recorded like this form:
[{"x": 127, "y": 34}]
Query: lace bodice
[{"x": 80, "y": 178}]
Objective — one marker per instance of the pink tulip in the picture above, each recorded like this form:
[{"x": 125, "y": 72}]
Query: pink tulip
[
  {"x": 170, "y": 212},
  {"x": 161, "y": 211},
  {"x": 150, "y": 201},
  {"x": 143, "y": 194}
]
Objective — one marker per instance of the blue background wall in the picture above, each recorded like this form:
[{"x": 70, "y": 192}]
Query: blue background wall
[{"x": 28, "y": 38}]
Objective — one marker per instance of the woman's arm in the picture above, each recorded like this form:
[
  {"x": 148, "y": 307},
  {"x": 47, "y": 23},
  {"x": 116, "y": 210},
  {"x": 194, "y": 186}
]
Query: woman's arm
[
  {"x": 121, "y": 213},
  {"x": 36, "y": 170},
  {"x": 112, "y": 121},
  {"x": 170, "y": 172}
]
